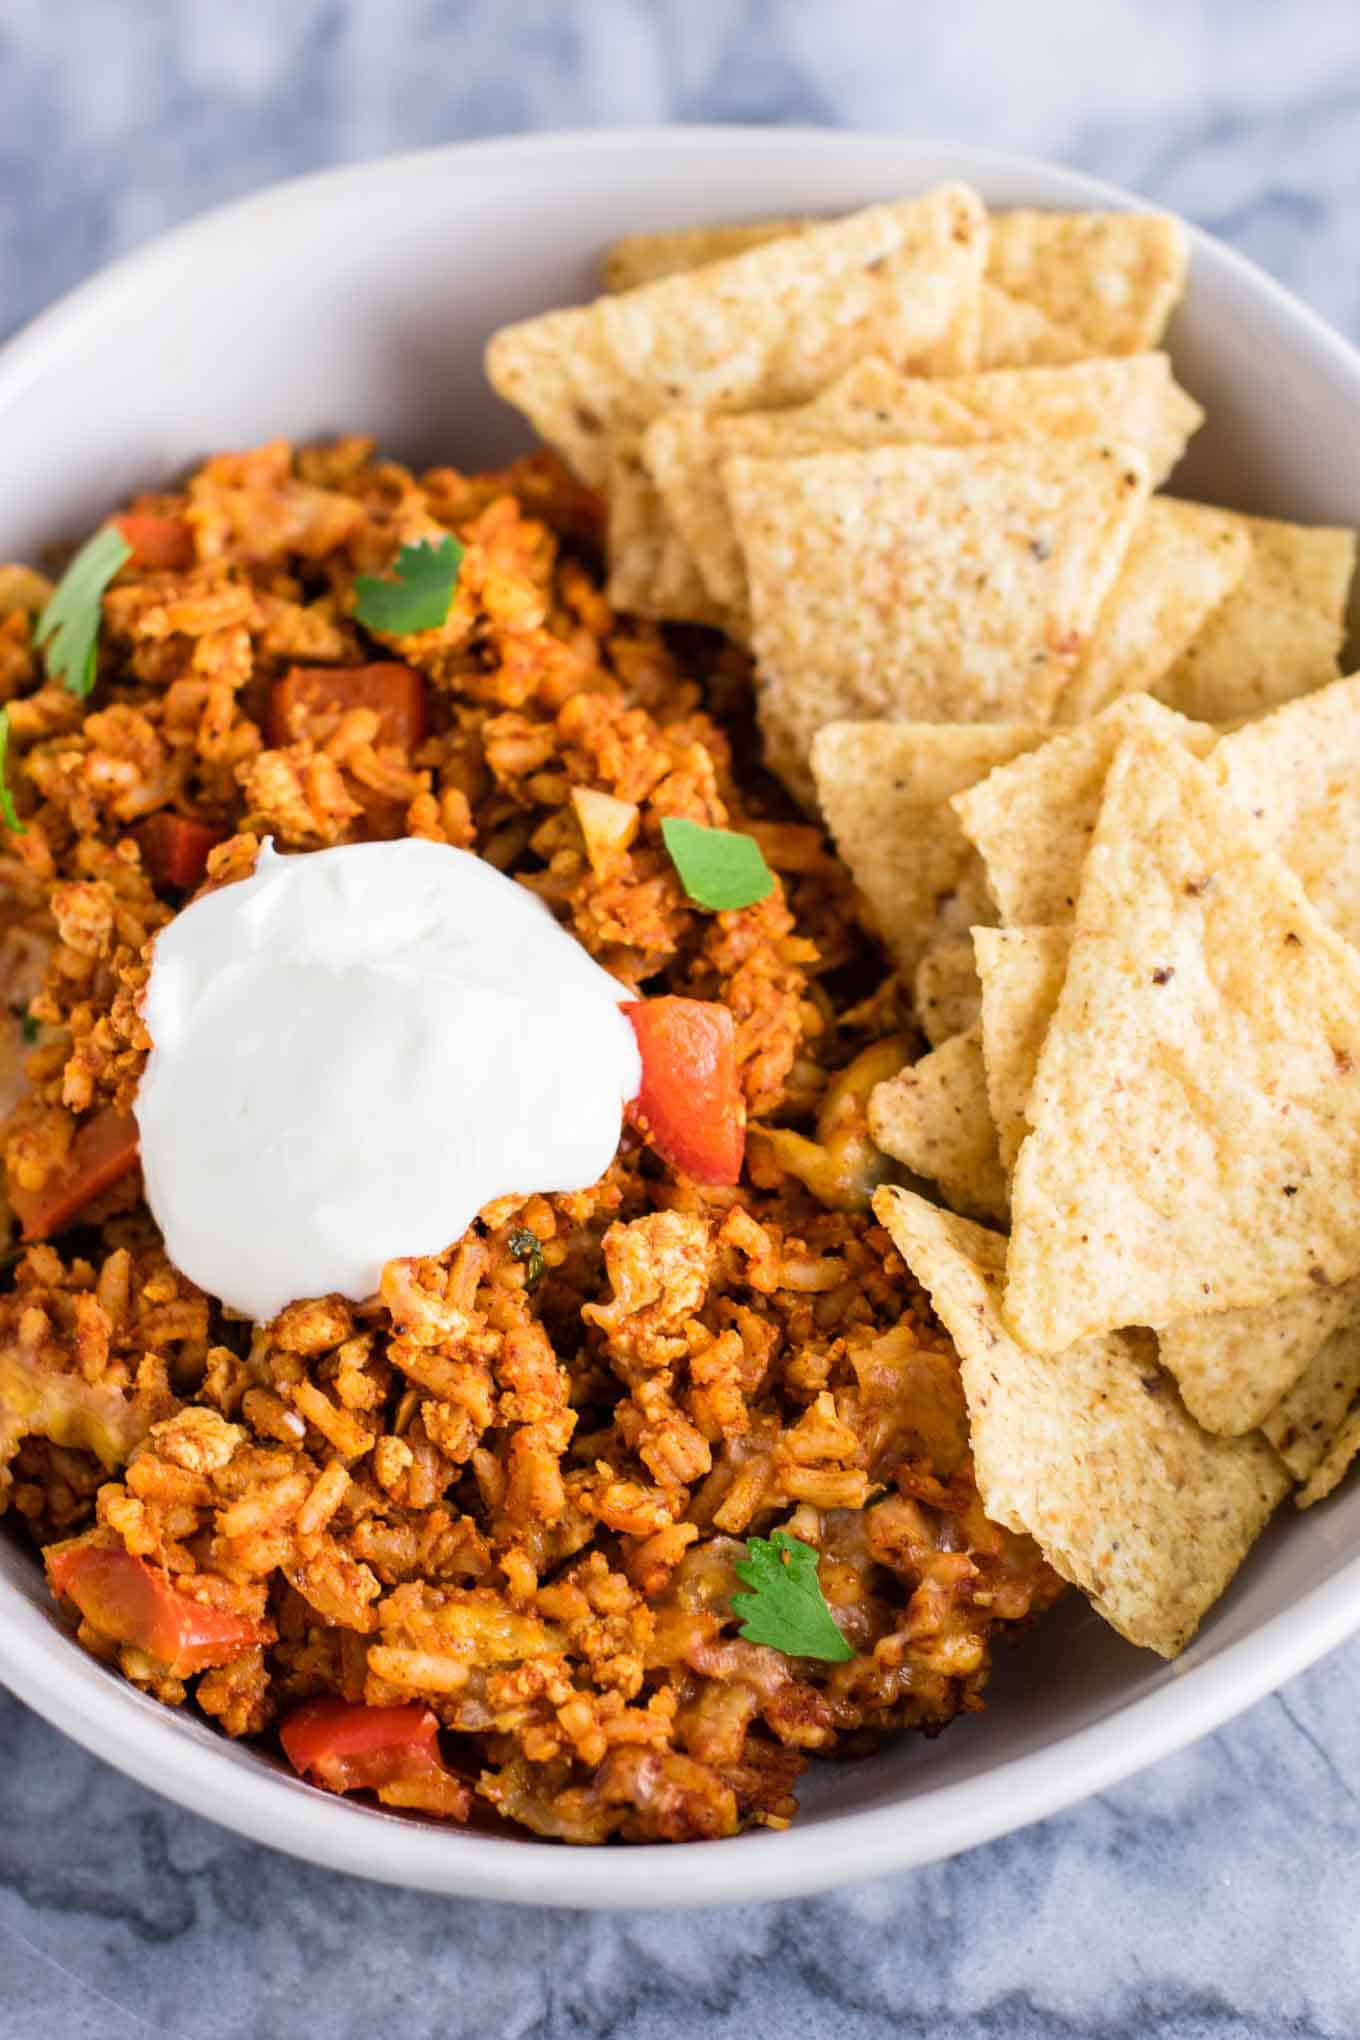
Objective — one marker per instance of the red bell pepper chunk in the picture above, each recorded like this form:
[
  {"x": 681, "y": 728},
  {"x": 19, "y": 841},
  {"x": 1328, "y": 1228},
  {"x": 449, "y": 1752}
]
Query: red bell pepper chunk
[
  {"x": 395, "y": 691},
  {"x": 157, "y": 542},
  {"x": 175, "y": 849},
  {"x": 104, "y": 1149},
  {"x": 351, "y": 1748},
  {"x": 131, "y": 1602},
  {"x": 393, "y": 1751},
  {"x": 690, "y": 1107}
]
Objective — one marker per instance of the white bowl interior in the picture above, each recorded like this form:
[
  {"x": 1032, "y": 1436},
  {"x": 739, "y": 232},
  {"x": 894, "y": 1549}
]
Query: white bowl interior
[{"x": 360, "y": 300}]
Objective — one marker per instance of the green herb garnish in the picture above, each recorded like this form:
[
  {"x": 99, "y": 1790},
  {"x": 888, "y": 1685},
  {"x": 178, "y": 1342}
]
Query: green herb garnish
[
  {"x": 28, "y": 1026},
  {"x": 718, "y": 868},
  {"x": 8, "y": 810},
  {"x": 786, "y": 1607},
  {"x": 524, "y": 1245},
  {"x": 418, "y": 597},
  {"x": 68, "y": 628}
]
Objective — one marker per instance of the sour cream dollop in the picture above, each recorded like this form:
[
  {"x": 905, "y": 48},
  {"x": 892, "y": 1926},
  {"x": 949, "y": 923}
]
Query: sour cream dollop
[{"x": 354, "y": 1051}]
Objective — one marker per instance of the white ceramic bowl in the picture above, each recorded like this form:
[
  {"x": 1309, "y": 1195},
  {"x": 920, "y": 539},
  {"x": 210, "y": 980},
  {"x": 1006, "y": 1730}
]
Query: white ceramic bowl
[{"x": 360, "y": 300}]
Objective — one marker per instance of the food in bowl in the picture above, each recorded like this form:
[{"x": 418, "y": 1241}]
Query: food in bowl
[{"x": 605, "y": 1516}]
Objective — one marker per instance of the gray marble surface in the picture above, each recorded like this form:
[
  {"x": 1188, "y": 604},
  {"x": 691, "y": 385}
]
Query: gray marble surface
[{"x": 1214, "y": 1898}]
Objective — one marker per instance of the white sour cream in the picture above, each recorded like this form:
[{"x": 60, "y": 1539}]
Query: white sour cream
[{"x": 354, "y": 1051}]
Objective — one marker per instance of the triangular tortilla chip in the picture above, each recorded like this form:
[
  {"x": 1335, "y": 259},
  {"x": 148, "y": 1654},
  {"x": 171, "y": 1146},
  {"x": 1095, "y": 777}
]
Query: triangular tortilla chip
[
  {"x": 945, "y": 991},
  {"x": 1195, "y": 1116},
  {"x": 924, "y": 583},
  {"x": 768, "y": 327},
  {"x": 934, "y": 1116},
  {"x": 1233, "y": 1367},
  {"x": 1305, "y": 1424},
  {"x": 1135, "y": 400},
  {"x": 1115, "y": 278},
  {"x": 651, "y": 570},
  {"x": 1182, "y": 561},
  {"x": 1279, "y": 633},
  {"x": 1296, "y": 773},
  {"x": 1022, "y": 972},
  {"x": 685, "y": 451},
  {"x": 884, "y": 789},
  {"x": 1033, "y": 820},
  {"x": 1014, "y": 334},
  {"x": 1017, "y": 335},
  {"x": 1090, "y": 1452},
  {"x": 645, "y": 258},
  {"x": 1335, "y": 1464}
]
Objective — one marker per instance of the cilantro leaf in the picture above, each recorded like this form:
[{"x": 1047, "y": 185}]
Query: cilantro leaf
[
  {"x": 68, "y": 628},
  {"x": 419, "y": 596},
  {"x": 786, "y": 1608},
  {"x": 525, "y": 1246},
  {"x": 8, "y": 812},
  {"x": 718, "y": 868}
]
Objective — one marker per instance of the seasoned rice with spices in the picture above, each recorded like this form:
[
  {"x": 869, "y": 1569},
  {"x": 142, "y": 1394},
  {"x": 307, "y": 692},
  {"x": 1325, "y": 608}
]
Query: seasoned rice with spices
[{"x": 512, "y": 1485}]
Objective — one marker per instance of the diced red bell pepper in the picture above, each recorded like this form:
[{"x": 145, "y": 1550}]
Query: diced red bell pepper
[
  {"x": 104, "y": 1149},
  {"x": 352, "y": 1748},
  {"x": 395, "y": 691},
  {"x": 175, "y": 849},
  {"x": 131, "y": 1602},
  {"x": 393, "y": 1751},
  {"x": 157, "y": 542},
  {"x": 690, "y": 1107}
]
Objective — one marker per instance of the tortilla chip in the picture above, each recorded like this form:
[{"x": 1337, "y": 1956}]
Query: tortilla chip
[
  {"x": 768, "y": 327},
  {"x": 925, "y": 583},
  {"x": 1017, "y": 335},
  {"x": 1235, "y": 1367},
  {"x": 1195, "y": 1115},
  {"x": 651, "y": 571},
  {"x": 934, "y": 1116},
  {"x": 1114, "y": 278},
  {"x": 685, "y": 451},
  {"x": 1022, "y": 972},
  {"x": 884, "y": 789},
  {"x": 1182, "y": 561},
  {"x": 1335, "y": 1465},
  {"x": 1135, "y": 400},
  {"x": 1296, "y": 773},
  {"x": 945, "y": 991},
  {"x": 1014, "y": 334},
  {"x": 1305, "y": 1424},
  {"x": 1231, "y": 1368},
  {"x": 1033, "y": 820},
  {"x": 1090, "y": 1453},
  {"x": 1280, "y": 631},
  {"x": 645, "y": 258}
]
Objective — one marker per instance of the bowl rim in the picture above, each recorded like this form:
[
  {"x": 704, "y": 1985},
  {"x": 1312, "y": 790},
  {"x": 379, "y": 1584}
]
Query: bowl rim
[{"x": 39, "y": 1661}]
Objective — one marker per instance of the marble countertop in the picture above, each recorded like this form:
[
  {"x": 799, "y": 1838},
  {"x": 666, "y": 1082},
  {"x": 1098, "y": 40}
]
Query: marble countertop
[{"x": 1213, "y": 1898}]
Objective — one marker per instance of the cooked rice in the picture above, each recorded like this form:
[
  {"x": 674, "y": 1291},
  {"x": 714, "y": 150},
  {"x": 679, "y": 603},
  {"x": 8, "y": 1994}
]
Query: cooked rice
[{"x": 519, "y": 1504}]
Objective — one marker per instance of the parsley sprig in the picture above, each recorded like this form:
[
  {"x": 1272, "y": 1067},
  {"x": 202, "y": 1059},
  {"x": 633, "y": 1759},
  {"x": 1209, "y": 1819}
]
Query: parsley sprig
[
  {"x": 786, "y": 1607},
  {"x": 418, "y": 595},
  {"x": 719, "y": 868},
  {"x": 8, "y": 811},
  {"x": 68, "y": 629}
]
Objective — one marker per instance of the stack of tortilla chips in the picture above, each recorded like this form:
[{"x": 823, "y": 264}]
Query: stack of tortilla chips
[{"x": 1086, "y": 750}]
